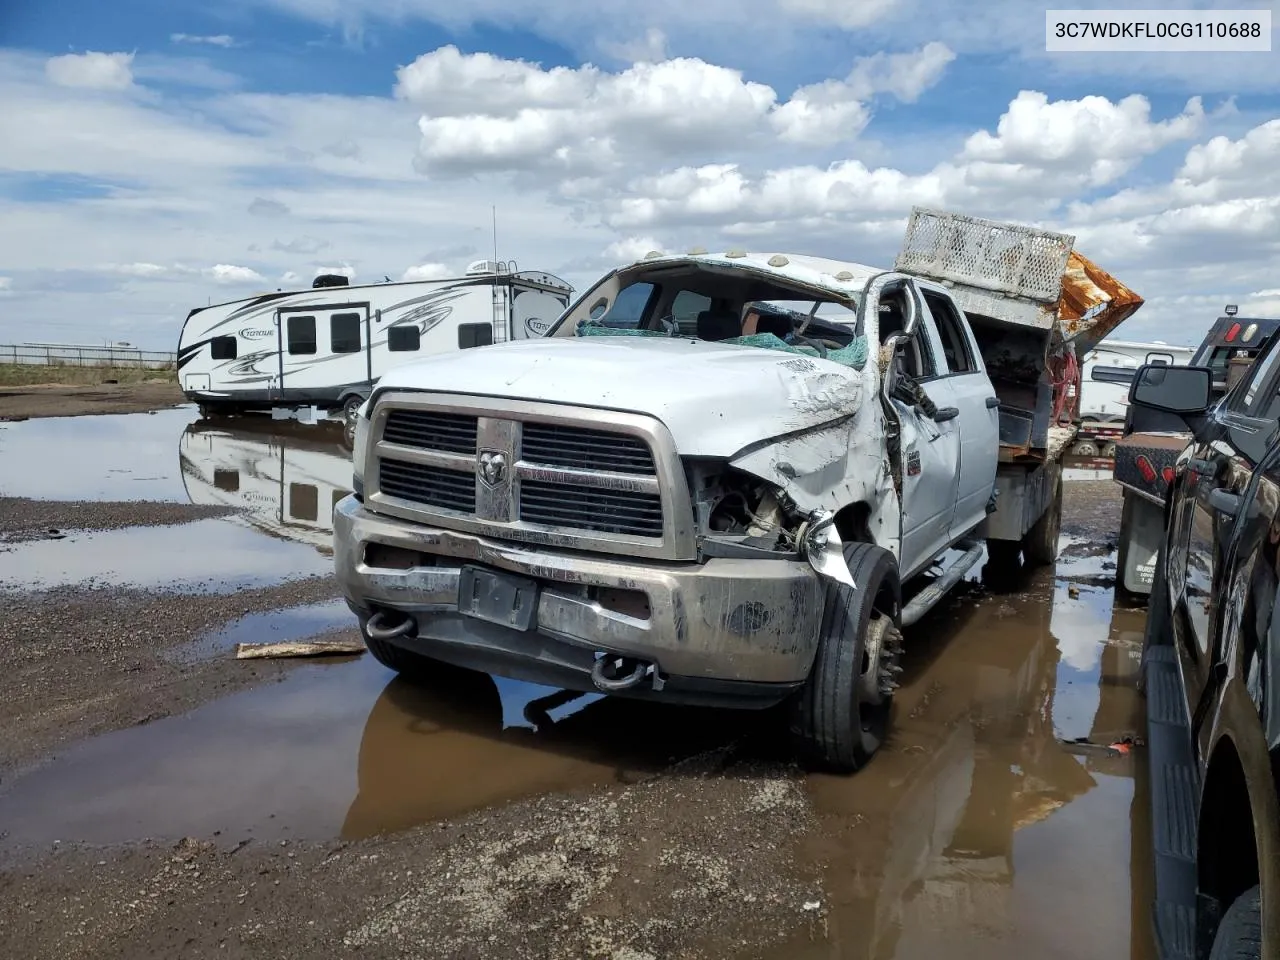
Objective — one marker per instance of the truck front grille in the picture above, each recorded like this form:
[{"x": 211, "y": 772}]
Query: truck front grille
[
  {"x": 585, "y": 449},
  {"x": 516, "y": 475},
  {"x": 430, "y": 486},
  {"x": 589, "y": 508},
  {"x": 429, "y": 430}
]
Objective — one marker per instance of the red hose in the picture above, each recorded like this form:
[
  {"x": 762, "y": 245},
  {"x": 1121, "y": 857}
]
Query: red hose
[{"x": 1063, "y": 371}]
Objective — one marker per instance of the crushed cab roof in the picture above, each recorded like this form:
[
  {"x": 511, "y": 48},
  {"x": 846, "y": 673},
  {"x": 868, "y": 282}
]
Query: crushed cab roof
[{"x": 841, "y": 278}]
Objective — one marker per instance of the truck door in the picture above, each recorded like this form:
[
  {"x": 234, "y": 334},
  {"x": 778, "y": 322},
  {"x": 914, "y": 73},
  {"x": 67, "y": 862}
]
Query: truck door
[
  {"x": 1219, "y": 472},
  {"x": 978, "y": 419},
  {"x": 929, "y": 449}
]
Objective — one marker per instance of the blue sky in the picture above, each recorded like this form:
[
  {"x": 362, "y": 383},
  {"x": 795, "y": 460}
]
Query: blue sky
[{"x": 156, "y": 155}]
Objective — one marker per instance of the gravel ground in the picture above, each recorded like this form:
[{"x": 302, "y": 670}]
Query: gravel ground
[
  {"x": 84, "y": 661},
  {"x": 53, "y": 400},
  {"x": 23, "y": 520}
]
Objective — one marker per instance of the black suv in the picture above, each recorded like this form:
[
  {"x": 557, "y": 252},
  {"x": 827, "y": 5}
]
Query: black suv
[{"x": 1211, "y": 667}]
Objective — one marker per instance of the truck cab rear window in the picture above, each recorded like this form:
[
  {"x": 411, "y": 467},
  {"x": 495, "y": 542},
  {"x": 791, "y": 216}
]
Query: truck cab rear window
[
  {"x": 222, "y": 348},
  {"x": 474, "y": 335},
  {"x": 344, "y": 332},
  {"x": 302, "y": 335},
  {"x": 403, "y": 339}
]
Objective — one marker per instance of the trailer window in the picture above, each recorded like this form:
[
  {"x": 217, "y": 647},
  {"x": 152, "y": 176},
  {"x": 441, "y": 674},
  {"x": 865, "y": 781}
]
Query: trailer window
[
  {"x": 474, "y": 335},
  {"x": 403, "y": 339},
  {"x": 955, "y": 346},
  {"x": 302, "y": 335},
  {"x": 1164, "y": 359},
  {"x": 222, "y": 348},
  {"x": 304, "y": 502},
  {"x": 344, "y": 332}
]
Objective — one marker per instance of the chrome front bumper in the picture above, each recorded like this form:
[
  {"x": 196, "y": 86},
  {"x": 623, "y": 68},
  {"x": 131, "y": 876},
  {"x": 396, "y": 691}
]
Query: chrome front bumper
[{"x": 729, "y": 629}]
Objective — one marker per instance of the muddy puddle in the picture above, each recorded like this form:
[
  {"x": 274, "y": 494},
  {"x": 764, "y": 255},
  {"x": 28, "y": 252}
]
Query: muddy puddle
[
  {"x": 132, "y": 457},
  {"x": 1001, "y": 822},
  {"x": 996, "y": 823},
  {"x": 217, "y": 555}
]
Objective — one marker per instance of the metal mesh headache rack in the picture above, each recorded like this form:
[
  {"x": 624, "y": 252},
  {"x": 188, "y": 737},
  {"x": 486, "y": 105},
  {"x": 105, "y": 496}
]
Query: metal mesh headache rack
[{"x": 1006, "y": 258}]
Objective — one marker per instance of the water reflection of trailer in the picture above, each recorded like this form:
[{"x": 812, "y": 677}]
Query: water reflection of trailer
[{"x": 286, "y": 475}]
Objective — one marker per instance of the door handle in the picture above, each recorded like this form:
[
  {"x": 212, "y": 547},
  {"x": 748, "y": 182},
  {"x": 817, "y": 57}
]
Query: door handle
[
  {"x": 993, "y": 402},
  {"x": 946, "y": 413},
  {"x": 1225, "y": 502}
]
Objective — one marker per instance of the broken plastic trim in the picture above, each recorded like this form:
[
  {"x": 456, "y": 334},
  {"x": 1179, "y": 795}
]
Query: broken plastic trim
[{"x": 823, "y": 548}]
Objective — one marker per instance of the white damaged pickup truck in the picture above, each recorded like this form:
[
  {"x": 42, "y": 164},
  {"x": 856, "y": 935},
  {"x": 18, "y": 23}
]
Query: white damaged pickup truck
[{"x": 720, "y": 479}]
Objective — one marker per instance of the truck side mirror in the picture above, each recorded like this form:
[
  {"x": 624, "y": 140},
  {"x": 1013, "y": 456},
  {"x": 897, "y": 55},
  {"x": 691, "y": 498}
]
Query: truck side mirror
[{"x": 1185, "y": 391}]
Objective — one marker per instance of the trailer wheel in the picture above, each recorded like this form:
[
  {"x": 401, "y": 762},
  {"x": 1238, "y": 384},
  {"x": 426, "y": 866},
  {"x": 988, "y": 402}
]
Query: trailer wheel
[
  {"x": 351, "y": 406},
  {"x": 1085, "y": 448},
  {"x": 1239, "y": 934},
  {"x": 1040, "y": 543},
  {"x": 841, "y": 716},
  {"x": 1109, "y": 450}
]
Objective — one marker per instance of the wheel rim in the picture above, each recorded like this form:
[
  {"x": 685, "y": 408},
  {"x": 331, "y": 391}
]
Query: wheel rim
[{"x": 878, "y": 678}]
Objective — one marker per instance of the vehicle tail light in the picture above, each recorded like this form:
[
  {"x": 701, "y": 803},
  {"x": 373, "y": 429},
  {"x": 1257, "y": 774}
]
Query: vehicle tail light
[
  {"x": 1147, "y": 470},
  {"x": 1231, "y": 334},
  {"x": 1167, "y": 473}
]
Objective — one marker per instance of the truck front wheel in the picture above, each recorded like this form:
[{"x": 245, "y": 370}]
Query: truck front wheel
[
  {"x": 1239, "y": 935},
  {"x": 841, "y": 716}
]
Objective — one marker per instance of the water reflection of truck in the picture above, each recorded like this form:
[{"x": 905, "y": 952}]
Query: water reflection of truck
[
  {"x": 928, "y": 858},
  {"x": 286, "y": 475}
]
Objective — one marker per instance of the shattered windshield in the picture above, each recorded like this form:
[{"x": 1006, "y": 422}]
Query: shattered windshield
[{"x": 743, "y": 310}]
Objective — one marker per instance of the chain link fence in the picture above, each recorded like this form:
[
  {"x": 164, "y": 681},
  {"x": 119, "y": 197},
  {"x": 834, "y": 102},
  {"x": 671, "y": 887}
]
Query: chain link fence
[{"x": 77, "y": 355}]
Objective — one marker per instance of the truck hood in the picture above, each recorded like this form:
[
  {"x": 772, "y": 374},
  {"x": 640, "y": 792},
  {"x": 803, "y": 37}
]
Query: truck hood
[{"x": 715, "y": 398}]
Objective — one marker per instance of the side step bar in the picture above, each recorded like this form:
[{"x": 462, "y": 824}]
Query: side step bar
[
  {"x": 928, "y": 598},
  {"x": 1173, "y": 806}
]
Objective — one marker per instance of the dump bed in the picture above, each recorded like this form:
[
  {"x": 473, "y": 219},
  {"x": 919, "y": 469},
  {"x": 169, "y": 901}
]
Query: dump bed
[{"x": 1035, "y": 305}]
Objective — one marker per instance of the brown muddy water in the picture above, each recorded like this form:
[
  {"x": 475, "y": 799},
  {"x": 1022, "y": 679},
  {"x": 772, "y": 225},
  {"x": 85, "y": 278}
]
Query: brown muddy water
[{"x": 996, "y": 822}]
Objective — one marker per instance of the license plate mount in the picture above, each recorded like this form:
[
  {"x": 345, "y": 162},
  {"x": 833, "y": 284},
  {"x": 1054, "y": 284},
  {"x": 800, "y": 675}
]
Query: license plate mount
[{"x": 500, "y": 598}]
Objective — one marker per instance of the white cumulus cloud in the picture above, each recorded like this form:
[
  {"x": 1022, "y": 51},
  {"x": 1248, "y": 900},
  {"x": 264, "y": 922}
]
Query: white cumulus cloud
[
  {"x": 92, "y": 70},
  {"x": 227, "y": 273},
  {"x": 428, "y": 271},
  {"x": 215, "y": 40}
]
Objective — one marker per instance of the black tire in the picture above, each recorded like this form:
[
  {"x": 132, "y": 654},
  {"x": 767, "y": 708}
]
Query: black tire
[
  {"x": 1040, "y": 543},
  {"x": 1085, "y": 448},
  {"x": 1109, "y": 450},
  {"x": 1239, "y": 935},
  {"x": 1159, "y": 627},
  {"x": 837, "y": 722},
  {"x": 351, "y": 406},
  {"x": 405, "y": 662}
]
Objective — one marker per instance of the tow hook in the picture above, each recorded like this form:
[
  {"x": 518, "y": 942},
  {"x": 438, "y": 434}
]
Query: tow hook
[
  {"x": 607, "y": 673},
  {"x": 820, "y": 544},
  {"x": 384, "y": 626}
]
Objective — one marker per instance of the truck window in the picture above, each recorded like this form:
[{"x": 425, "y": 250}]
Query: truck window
[
  {"x": 1258, "y": 400},
  {"x": 302, "y": 335},
  {"x": 474, "y": 335},
  {"x": 403, "y": 339},
  {"x": 629, "y": 306},
  {"x": 344, "y": 332},
  {"x": 685, "y": 309},
  {"x": 955, "y": 346}
]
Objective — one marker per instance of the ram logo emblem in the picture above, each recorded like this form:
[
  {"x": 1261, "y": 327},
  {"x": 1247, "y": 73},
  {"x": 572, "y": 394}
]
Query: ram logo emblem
[{"x": 493, "y": 467}]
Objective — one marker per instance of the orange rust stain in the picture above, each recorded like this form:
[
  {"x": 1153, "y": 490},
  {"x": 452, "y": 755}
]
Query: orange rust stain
[{"x": 1085, "y": 286}]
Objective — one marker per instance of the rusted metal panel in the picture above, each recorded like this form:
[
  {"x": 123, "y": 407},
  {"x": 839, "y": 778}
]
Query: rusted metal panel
[{"x": 1092, "y": 303}]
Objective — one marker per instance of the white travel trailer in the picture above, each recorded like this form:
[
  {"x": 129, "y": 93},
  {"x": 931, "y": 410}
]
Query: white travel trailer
[
  {"x": 326, "y": 347},
  {"x": 1108, "y": 370},
  {"x": 286, "y": 476}
]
